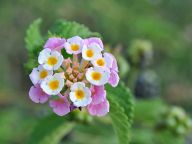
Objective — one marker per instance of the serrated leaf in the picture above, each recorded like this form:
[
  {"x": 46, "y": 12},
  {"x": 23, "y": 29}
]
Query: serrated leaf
[
  {"x": 123, "y": 96},
  {"x": 51, "y": 130},
  {"x": 33, "y": 37},
  {"x": 68, "y": 29},
  {"x": 121, "y": 111},
  {"x": 34, "y": 44}
]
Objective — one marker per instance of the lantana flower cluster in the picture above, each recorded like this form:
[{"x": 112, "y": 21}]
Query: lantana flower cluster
[{"x": 77, "y": 81}]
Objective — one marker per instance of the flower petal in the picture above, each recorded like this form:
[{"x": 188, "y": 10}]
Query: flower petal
[
  {"x": 34, "y": 76},
  {"x": 80, "y": 95},
  {"x": 60, "y": 106},
  {"x": 55, "y": 43},
  {"x": 97, "y": 76},
  {"x": 98, "y": 94},
  {"x": 114, "y": 78},
  {"x": 112, "y": 62},
  {"x": 50, "y": 60},
  {"x": 74, "y": 45},
  {"x": 53, "y": 85},
  {"x": 91, "y": 52},
  {"x": 37, "y": 95},
  {"x": 95, "y": 40},
  {"x": 100, "y": 109}
]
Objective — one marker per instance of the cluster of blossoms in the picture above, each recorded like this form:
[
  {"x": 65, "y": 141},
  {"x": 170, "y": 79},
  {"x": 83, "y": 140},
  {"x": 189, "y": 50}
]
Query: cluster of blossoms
[{"x": 76, "y": 82}]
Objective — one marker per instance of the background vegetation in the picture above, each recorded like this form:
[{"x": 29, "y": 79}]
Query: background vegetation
[{"x": 166, "y": 24}]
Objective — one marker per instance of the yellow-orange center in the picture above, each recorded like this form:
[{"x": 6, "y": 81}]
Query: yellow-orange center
[
  {"x": 54, "y": 84},
  {"x": 89, "y": 53},
  {"x": 52, "y": 60},
  {"x": 79, "y": 94},
  {"x": 96, "y": 76},
  {"x": 100, "y": 62},
  {"x": 74, "y": 47},
  {"x": 43, "y": 74}
]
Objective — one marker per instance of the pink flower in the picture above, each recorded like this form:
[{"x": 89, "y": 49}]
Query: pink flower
[
  {"x": 95, "y": 40},
  {"x": 37, "y": 95},
  {"x": 114, "y": 77},
  {"x": 55, "y": 43},
  {"x": 60, "y": 106},
  {"x": 99, "y": 105},
  {"x": 98, "y": 94},
  {"x": 100, "y": 109}
]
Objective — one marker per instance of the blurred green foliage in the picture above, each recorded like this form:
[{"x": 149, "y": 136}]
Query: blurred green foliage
[{"x": 166, "y": 24}]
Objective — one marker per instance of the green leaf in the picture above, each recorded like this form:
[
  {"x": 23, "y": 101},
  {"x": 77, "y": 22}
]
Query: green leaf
[
  {"x": 51, "y": 130},
  {"x": 34, "y": 44},
  {"x": 121, "y": 111},
  {"x": 68, "y": 29},
  {"x": 33, "y": 37}
]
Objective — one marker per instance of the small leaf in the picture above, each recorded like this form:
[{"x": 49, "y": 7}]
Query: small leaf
[
  {"x": 121, "y": 111},
  {"x": 51, "y": 130},
  {"x": 68, "y": 29},
  {"x": 33, "y": 37}
]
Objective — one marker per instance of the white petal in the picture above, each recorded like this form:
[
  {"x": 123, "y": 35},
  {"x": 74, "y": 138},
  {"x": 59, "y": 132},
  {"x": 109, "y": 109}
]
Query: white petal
[
  {"x": 47, "y": 67},
  {"x": 87, "y": 95},
  {"x": 45, "y": 84},
  {"x": 109, "y": 60},
  {"x": 68, "y": 48},
  {"x": 96, "y": 52},
  {"x": 94, "y": 62},
  {"x": 34, "y": 76},
  {"x": 59, "y": 63},
  {"x": 43, "y": 55},
  {"x": 41, "y": 68},
  {"x": 105, "y": 74},
  {"x": 87, "y": 92},
  {"x": 74, "y": 40},
  {"x": 84, "y": 102},
  {"x": 77, "y": 85},
  {"x": 72, "y": 96}
]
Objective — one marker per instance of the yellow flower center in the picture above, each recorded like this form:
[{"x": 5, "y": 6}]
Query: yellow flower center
[
  {"x": 96, "y": 76},
  {"x": 79, "y": 94},
  {"x": 52, "y": 60},
  {"x": 100, "y": 62},
  {"x": 43, "y": 74},
  {"x": 74, "y": 47},
  {"x": 89, "y": 53},
  {"x": 54, "y": 84}
]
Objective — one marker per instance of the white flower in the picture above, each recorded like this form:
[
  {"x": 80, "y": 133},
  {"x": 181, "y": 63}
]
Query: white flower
[
  {"x": 97, "y": 76},
  {"x": 50, "y": 59},
  {"x": 38, "y": 74},
  {"x": 80, "y": 95},
  {"x": 91, "y": 52},
  {"x": 53, "y": 85},
  {"x": 74, "y": 45},
  {"x": 103, "y": 62}
]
